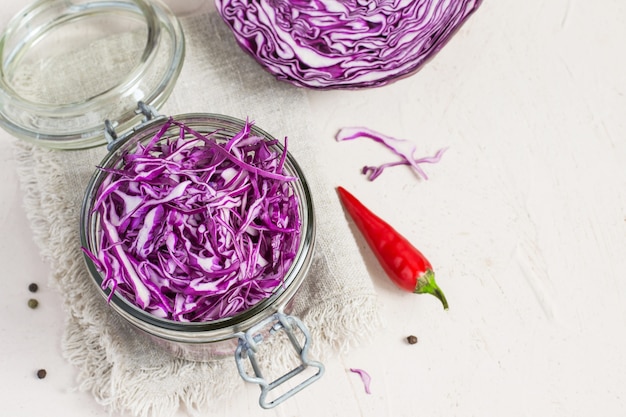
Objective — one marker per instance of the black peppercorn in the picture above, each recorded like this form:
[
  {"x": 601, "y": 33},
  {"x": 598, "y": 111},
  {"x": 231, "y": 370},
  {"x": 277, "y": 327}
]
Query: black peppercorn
[
  {"x": 412, "y": 340},
  {"x": 33, "y": 287},
  {"x": 41, "y": 374}
]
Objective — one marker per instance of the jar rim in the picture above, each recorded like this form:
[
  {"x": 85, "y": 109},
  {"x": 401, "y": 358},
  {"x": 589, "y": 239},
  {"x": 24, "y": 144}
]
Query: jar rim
[
  {"x": 226, "y": 327},
  {"x": 75, "y": 124}
]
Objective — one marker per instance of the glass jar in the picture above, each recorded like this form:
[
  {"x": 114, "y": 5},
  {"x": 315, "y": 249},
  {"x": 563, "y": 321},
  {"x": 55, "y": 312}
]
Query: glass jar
[
  {"x": 240, "y": 334},
  {"x": 51, "y": 53}
]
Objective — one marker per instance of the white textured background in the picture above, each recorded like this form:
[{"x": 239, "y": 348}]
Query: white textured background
[{"x": 524, "y": 220}]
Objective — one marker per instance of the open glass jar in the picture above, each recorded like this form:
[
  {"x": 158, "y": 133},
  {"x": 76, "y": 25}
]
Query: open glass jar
[
  {"x": 239, "y": 334},
  {"x": 39, "y": 102}
]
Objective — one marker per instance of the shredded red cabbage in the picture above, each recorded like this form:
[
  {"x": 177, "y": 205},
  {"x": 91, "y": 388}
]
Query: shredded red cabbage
[
  {"x": 401, "y": 147},
  {"x": 195, "y": 229},
  {"x": 365, "y": 377},
  {"x": 343, "y": 44}
]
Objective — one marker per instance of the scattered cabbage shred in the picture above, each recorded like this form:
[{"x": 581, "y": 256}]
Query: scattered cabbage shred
[
  {"x": 343, "y": 44},
  {"x": 401, "y": 147},
  {"x": 365, "y": 378},
  {"x": 193, "y": 229}
]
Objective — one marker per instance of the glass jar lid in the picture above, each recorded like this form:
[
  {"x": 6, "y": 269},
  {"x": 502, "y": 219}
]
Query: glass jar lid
[{"x": 66, "y": 66}]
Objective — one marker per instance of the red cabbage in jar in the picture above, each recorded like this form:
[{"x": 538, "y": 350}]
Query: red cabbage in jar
[
  {"x": 343, "y": 44},
  {"x": 194, "y": 229}
]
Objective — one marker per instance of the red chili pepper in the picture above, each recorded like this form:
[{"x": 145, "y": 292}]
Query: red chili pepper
[{"x": 403, "y": 263}]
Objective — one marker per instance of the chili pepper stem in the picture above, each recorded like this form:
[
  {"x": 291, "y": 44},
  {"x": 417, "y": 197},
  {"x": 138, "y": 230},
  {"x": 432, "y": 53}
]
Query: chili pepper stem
[{"x": 426, "y": 284}]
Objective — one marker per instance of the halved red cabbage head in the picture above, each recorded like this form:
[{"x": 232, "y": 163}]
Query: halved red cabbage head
[
  {"x": 343, "y": 44},
  {"x": 194, "y": 229}
]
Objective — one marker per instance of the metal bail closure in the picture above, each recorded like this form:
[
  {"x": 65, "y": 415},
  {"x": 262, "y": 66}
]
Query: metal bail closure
[
  {"x": 150, "y": 114},
  {"x": 247, "y": 347}
]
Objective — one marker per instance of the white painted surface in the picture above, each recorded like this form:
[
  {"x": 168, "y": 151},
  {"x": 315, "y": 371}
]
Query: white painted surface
[{"x": 524, "y": 220}]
